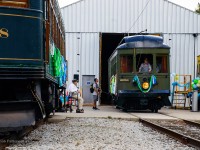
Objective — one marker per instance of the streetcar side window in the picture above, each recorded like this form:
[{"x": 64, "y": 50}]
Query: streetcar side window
[
  {"x": 14, "y": 3},
  {"x": 114, "y": 66},
  {"x": 161, "y": 64},
  {"x": 126, "y": 63}
]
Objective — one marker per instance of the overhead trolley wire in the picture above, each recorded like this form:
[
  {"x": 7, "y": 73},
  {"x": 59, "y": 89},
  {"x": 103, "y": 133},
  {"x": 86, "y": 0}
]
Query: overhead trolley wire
[
  {"x": 138, "y": 17},
  {"x": 136, "y": 21}
]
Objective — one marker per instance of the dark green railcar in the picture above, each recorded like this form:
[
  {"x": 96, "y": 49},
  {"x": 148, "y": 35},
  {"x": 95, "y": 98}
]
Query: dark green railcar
[
  {"x": 32, "y": 40},
  {"x": 132, "y": 88}
]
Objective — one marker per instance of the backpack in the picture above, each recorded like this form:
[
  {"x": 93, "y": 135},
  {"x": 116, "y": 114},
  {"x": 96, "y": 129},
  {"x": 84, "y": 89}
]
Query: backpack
[{"x": 91, "y": 88}]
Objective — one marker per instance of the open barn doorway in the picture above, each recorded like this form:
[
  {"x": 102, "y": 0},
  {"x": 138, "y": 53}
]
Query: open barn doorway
[{"x": 108, "y": 43}]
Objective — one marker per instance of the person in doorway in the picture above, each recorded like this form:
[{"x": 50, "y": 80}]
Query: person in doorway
[
  {"x": 75, "y": 93},
  {"x": 96, "y": 93},
  {"x": 145, "y": 67}
]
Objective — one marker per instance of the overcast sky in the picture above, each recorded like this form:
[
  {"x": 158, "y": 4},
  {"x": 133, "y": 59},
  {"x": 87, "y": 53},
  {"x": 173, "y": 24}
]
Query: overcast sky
[{"x": 190, "y": 4}]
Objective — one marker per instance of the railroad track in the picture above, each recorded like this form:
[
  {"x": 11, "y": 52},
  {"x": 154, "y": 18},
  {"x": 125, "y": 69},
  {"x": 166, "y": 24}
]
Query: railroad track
[
  {"x": 185, "y": 139},
  {"x": 186, "y": 121},
  {"x": 185, "y": 131}
]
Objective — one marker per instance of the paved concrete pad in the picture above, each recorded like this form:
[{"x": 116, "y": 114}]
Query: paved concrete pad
[
  {"x": 182, "y": 114},
  {"x": 112, "y": 112},
  {"x": 154, "y": 116},
  {"x": 104, "y": 112}
]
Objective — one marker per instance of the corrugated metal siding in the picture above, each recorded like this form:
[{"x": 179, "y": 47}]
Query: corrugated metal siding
[
  {"x": 89, "y": 17},
  {"x": 87, "y": 45},
  {"x": 181, "y": 53},
  {"x": 119, "y": 16},
  {"x": 182, "y": 56}
]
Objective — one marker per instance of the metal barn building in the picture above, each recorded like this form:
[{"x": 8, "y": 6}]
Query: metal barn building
[{"x": 95, "y": 27}]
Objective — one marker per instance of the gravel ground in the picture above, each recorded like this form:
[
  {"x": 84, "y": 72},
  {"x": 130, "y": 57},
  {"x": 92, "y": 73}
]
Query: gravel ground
[{"x": 96, "y": 134}]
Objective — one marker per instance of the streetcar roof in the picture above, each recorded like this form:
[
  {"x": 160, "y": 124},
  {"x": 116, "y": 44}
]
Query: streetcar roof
[{"x": 142, "y": 41}]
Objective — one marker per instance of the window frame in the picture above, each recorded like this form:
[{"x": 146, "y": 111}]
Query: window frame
[
  {"x": 167, "y": 58},
  {"x": 113, "y": 66},
  {"x": 142, "y": 60},
  {"x": 15, "y": 3},
  {"x": 126, "y": 54}
]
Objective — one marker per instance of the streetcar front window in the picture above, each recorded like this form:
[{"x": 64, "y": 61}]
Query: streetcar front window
[
  {"x": 161, "y": 64},
  {"x": 144, "y": 63},
  {"x": 126, "y": 63},
  {"x": 14, "y": 3}
]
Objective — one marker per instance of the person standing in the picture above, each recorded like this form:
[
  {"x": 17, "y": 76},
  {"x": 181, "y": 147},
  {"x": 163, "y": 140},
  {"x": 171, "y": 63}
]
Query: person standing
[
  {"x": 96, "y": 94},
  {"x": 75, "y": 93}
]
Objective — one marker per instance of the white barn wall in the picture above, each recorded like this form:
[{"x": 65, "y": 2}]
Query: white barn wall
[
  {"x": 89, "y": 17},
  {"x": 118, "y": 16},
  {"x": 87, "y": 45},
  {"x": 182, "y": 52}
]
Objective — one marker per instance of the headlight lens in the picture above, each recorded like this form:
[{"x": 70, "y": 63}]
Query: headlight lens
[{"x": 145, "y": 85}]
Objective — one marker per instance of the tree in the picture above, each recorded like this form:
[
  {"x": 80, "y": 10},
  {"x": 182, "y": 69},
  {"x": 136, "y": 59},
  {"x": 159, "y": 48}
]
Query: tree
[{"x": 198, "y": 9}]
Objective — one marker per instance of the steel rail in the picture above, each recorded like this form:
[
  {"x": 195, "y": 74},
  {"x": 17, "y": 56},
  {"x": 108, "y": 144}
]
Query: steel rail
[
  {"x": 193, "y": 123},
  {"x": 180, "y": 137},
  {"x": 189, "y": 122}
]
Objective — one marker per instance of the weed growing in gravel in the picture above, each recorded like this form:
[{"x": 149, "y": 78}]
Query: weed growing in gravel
[{"x": 109, "y": 117}]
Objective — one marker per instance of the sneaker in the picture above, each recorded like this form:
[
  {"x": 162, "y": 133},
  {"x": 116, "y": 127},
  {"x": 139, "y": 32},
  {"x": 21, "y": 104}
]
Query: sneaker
[
  {"x": 95, "y": 108},
  {"x": 79, "y": 111}
]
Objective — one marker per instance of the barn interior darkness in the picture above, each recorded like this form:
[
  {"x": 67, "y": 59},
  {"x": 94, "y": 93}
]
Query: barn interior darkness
[{"x": 109, "y": 43}]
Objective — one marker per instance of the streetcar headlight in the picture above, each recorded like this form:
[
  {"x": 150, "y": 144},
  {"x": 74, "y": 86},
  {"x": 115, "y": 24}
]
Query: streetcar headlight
[{"x": 145, "y": 85}]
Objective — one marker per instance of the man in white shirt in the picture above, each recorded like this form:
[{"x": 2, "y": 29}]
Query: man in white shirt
[
  {"x": 145, "y": 67},
  {"x": 75, "y": 93},
  {"x": 96, "y": 93}
]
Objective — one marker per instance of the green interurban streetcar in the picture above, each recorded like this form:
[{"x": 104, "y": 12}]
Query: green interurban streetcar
[{"x": 139, "y": 73}]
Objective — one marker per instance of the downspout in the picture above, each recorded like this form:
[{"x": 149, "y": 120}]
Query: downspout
[{"x": 195, "y": 36}]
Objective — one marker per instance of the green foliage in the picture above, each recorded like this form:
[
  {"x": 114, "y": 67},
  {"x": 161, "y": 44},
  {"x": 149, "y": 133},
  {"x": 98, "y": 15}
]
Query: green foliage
[{"x": 198, "y": 9}]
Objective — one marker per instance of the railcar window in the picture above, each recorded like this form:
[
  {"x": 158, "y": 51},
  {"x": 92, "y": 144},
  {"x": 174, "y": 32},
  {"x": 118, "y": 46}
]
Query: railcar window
[
  {"x": 114, "y": 66},
  {"x": 126, "y": 63},
  {"x": 161, "y": 64},
  {"x": 140, "y": 59},
  {"x": 14, "y": 3}
]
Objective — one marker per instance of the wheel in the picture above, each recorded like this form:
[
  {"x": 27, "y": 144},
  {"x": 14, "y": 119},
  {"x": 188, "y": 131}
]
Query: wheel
[
  {"x": 125, "y": 109},
  {"x": 112, "y": 99},
  {"x": 48, "y": 109}
]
